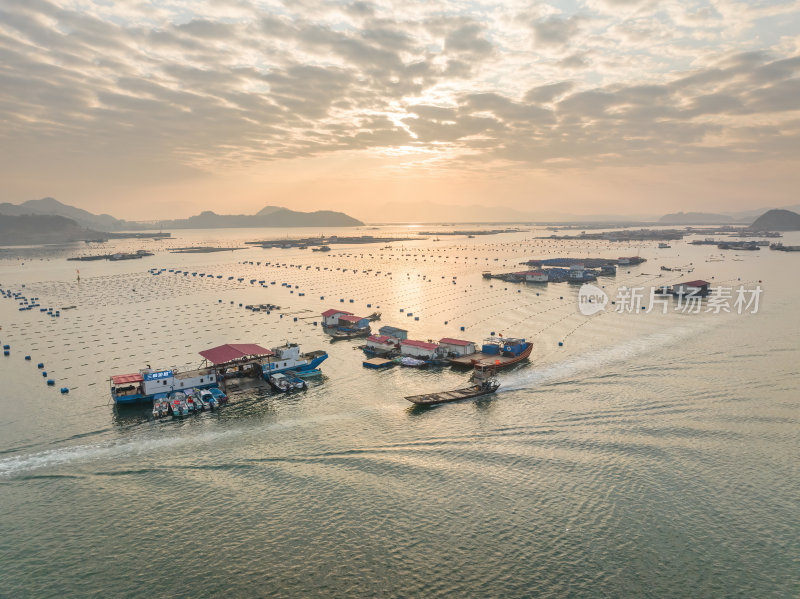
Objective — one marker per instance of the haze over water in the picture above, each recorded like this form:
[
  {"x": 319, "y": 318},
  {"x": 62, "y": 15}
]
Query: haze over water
[{"x": 651, "y": 455}]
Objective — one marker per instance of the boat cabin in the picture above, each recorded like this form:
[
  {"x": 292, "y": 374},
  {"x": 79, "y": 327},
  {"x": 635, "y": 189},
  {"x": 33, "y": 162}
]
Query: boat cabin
[{"x": 496, "y": 346}]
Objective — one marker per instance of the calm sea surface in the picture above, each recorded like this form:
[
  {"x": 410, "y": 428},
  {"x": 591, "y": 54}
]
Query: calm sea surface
[{"x": 652, "y": 455}]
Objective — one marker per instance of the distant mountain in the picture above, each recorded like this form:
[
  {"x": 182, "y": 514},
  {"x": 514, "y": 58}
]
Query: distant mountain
[
  {"x": 429, "y": 212},
  {"x": 695, "y": 218},
  {"x": 777, "y": 220},
  {"x": 35, "y": 229},
  {"x": 51, "y": 206},
  {"x": 269, "y": 216}
]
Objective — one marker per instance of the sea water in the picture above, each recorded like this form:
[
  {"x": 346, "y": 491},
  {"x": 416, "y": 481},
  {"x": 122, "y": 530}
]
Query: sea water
[{"x": 648, "y": 455}]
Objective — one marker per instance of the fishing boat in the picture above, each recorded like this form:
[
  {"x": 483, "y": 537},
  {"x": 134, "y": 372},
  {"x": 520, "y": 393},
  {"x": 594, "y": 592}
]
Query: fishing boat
[
  {"x": 219, "y": 397},
  {"x": 339, "y": 334},
  {"x": 478, "y": 389},
  {"x": 284, "y": 383},
  {"x": 322, "y": 248},
  {"x": 288, "y": 357},
  {"x": 498, "y": 352},
  {"x": 160, "y": 405},
  {"x": 178, "y": 404}
]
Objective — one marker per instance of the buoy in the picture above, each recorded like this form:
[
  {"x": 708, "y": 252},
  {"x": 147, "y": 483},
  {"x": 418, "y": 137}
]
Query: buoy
[
  {"x": 416, "y": 318},
  {"x": 462, "y": 328},
  {"x": 44, "y": 373},
  {"x": 28, "y": 358},
  {"x": 6, "y": 352},
  {"x": 64, "y": 390},
  {"x": 560, "y": 344},
  {"x": 295, "y": 319},
  {"x": 445, "y": 322},
  {"x": 40, "y": 365},
  {"x": 50, "y": 382}
]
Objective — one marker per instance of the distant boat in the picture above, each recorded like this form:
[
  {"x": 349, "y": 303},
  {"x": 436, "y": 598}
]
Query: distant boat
[{"x": 322, "y": 248}]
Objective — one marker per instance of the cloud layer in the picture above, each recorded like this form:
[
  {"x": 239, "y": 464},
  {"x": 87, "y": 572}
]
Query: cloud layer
[{"x": 170, "y": 88}]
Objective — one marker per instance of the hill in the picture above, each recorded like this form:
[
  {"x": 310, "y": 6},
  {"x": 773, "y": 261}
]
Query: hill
[
  {"x": 270, "y": 216},
  {"x": 51, "y": 206},
  {"x": 777, "y": 220},
  {"x": 35, "y": 229}
]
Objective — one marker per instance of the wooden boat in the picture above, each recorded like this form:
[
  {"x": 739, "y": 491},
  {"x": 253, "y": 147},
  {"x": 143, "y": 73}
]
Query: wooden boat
[
  {"x": 482, "y": 388},
  {"x": 337, "y": 334}
]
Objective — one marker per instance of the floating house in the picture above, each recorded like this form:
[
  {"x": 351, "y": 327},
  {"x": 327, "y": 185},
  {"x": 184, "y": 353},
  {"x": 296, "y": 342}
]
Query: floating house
[
  {"x": 419, "y": 349},
  {"x": 380, "y": 344},
  {"x": 351, "y": 321},
  {"x": 536, "y": 276},
  {"x": 393, "y": 332},
  {"x": 453, "y": 348},
  {"x": 330, "y": 318}
]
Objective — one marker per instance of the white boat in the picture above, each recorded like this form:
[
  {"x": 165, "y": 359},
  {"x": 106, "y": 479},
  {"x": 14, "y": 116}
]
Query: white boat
[{"x": 284, "y": 383}]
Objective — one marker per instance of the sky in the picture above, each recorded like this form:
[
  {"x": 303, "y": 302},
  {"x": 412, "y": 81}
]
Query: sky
[{"x": 161, "y": 109}]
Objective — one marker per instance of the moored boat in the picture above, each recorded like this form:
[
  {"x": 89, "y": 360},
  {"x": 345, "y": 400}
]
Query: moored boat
[
  {"x": 497, "y": 352},
  {"x": 284, "y": 383}
]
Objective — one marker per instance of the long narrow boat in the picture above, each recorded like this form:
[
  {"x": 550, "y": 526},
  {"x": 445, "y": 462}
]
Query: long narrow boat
[{"x": 431, "y": 399}]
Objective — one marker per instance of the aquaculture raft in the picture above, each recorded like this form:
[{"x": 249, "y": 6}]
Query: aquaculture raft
[{"x": 429, "y": 399}]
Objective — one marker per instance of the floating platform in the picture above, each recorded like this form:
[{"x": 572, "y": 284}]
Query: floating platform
[{"x": 378, "y": 363}]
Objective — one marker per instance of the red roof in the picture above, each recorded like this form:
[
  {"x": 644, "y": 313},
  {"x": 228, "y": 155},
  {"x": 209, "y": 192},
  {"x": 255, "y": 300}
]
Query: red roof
[
  {"x": 333, "y": 311},
  {"x": 378, "y": 338},
  {"x": 697, "y": 283},
  {"x": 351, "y": 318},
  {"x": 121, "y": 379},
  {"x": 449, "y": 341},
  {"x": 233, "y": 351},
  {"x": 422, "y": 344}
]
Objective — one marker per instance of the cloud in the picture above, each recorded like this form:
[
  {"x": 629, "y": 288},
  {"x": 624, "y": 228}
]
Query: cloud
[
  {"x": 219, "y": 86},
  {"x": 556, "y": 31}
]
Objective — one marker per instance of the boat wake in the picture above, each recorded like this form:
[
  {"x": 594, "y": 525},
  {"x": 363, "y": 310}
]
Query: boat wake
[
  {"x": 589, "y": 361},
  {"x": 125, "y": 449}
]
